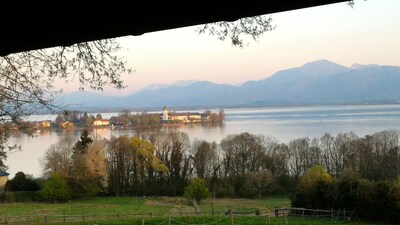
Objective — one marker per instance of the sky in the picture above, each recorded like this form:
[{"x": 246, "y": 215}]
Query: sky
[{"x": 367, "y": 33}]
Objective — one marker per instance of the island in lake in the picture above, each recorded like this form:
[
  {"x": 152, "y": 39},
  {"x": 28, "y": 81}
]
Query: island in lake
[
  {"x": 172, "y": 117},
  {"x": 71, "y": 119}
]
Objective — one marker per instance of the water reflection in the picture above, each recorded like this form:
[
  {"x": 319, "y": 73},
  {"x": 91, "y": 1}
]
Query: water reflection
[{"x": 284, "y": 123}]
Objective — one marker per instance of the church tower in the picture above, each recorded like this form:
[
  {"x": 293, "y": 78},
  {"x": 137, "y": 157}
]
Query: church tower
[{"x": 165, "y": 113}]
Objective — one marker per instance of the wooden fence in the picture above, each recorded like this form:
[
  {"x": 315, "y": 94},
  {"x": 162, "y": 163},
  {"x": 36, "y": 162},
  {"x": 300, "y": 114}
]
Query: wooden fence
[
  {"x": 50, "y": 218},
  {"x": 338, "y": 215}
]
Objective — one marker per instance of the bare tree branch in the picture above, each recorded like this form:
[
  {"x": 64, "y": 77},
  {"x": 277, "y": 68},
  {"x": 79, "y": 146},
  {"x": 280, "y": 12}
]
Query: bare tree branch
[
  {"x": 27, "y": 79},
  {"x": 252, "y": 27}
]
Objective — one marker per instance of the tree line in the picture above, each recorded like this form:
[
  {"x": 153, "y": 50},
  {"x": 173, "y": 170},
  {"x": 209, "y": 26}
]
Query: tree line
[{"x": 164, "y": 161}]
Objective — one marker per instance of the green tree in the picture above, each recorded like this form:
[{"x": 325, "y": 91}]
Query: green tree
[
  {"x": 197, "y": 190},
  {"x": 313, "y": 175},
  {"x": 81, "y": 182},
  {"x": 56, "y": 189},
  {"x": 316, "y": 189},
  {"x": 81, "y": 145}
]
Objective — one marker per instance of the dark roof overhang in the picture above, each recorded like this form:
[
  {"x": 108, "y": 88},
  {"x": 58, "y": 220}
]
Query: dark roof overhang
[{"x": 29, "y": 27}]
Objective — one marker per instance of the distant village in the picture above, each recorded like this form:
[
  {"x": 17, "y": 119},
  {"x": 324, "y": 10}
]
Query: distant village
[{"x": 168, "y": 117}]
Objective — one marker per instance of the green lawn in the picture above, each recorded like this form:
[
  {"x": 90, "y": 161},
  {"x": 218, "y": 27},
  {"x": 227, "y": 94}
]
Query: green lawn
[
  {"x": 221, "y": 220},
  {"x": 245, "y": 205},
  {"x": 150, "y": 210},
  {"x": 98, "y": 205}
]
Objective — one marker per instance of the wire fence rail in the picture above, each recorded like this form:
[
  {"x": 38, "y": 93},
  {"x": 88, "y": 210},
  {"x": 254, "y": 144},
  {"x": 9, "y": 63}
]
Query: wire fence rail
[
  {"x": 333, "y": 215},
  {"x": 216, "y": 217}
]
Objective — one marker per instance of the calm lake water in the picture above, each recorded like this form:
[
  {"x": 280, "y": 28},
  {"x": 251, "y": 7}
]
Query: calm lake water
[{"x": 283, "y": 123}]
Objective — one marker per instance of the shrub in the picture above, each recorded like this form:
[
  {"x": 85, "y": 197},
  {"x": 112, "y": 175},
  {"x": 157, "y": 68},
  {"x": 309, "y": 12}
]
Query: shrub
[
  {"x": 197, "y": 190},
  {"x": 316, "y": 189},
  {"x": 56, "y": 189}
]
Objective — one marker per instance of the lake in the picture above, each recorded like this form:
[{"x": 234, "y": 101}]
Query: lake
[{"x": 283, "y": 123}]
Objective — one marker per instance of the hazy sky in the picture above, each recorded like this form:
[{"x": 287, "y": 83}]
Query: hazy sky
[{"x": 365, "y": 34}]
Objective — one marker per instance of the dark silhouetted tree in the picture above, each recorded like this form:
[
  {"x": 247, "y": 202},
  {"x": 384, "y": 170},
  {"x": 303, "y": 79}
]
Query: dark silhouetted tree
[{"x": 21, "y": 182}]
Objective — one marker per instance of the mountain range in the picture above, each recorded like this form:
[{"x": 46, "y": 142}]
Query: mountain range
[{"x": 320, "y": 82}]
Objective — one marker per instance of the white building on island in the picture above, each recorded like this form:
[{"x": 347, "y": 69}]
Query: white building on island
[
  {"x": 186, "y": 117},
  {"x": 99, "y": 123}
]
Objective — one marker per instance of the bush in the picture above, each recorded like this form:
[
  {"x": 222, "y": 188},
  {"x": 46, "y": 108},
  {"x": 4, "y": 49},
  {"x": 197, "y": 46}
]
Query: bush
[
  {"x": 56, "y": 189},
  {"x": 316, "y": 190},
  {"x": 197, "y": 190},
  {"x": 20, "y": 196},
  {"x": 371, "y": 201},
  {"x": 21, "y": 182},
  {"x": 379, "y": 201}
]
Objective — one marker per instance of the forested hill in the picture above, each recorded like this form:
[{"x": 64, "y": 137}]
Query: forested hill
[{"x": 318, "y": 82}]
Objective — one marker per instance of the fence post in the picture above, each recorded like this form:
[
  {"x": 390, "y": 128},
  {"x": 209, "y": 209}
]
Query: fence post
[
  {"x": 344, "y": 214},
  {"x": 285, "y": 218},
  {"x": 142, "y": 221},
  {"x": 232, "y": 217},
  {"x": 267, "y": 219},
  {"x": 332, "y": 214},
  {"x": 64, "y": 215}
]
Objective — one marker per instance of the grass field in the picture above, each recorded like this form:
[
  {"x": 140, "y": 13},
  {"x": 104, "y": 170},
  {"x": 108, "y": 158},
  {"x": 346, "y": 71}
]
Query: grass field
[
  {"x": 159, "y": 206},
  {"x": 222, "y": 221},
  {"x": 150, "y": 210}
]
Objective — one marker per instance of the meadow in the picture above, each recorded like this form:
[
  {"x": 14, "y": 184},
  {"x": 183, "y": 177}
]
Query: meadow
[{"x": 154, "y": 210}]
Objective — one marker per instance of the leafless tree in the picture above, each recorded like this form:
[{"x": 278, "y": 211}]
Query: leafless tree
[
  {"x": 205, "y": 158},
  {"x": 262, "y": 181},
  {"x": 242, "y": 153},
  {"x": 343, "y": 154},
  {"x": 299, "y": 158},
  {"x": 277, "y": 159},
  {"x": 326, "y": 145},
  {"x": 58, "y": 158}
]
